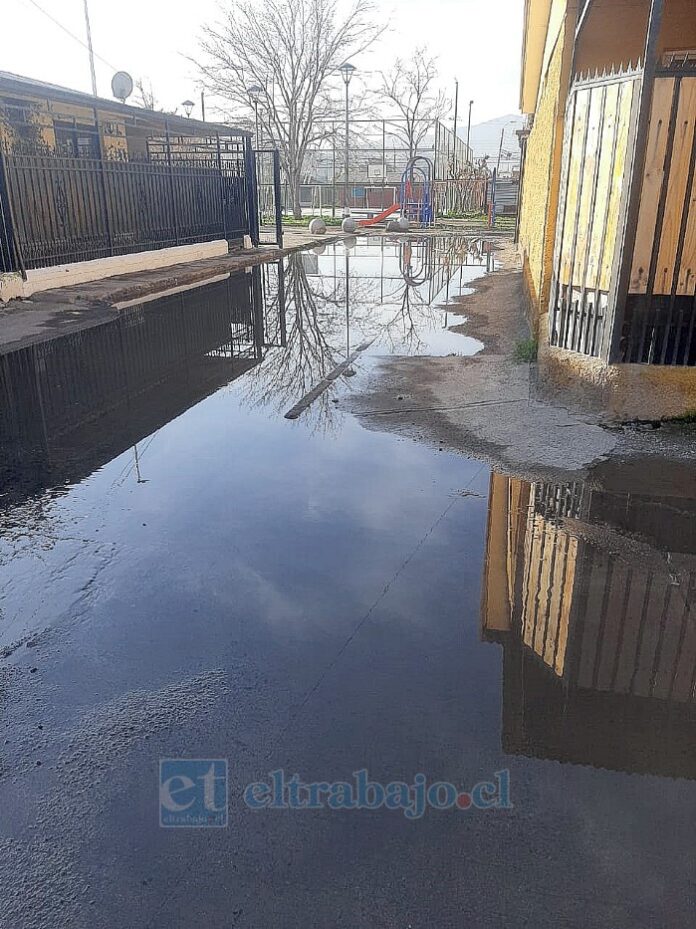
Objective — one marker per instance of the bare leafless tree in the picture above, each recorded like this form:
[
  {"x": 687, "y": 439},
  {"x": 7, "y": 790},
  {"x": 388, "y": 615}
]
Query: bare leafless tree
[
  {"x": 291, "y": 50},
  {"x": 145, "y": 95},
  {"x": 412, "y": 86}
]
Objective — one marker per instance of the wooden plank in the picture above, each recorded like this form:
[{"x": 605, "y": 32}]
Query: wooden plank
[
  {"x": 555, "y": 599},
  {"x": 587, "y": 186},
  {"x": 652, "y": 183},
  {"x": 597, "y": 581},
  {"x": 618, "y": 183},
  {"x": 642, "y": 680},
  {"x": 687, "y": 272},
  {"x": 685, "y": 670},
  {"x": 566, "y": 605},
  {"x": 628, "y": 656},
  {"x": 545, "y": 583},
  {"x": 556, "y": 288},
  {"x": 531, "y": 577},
  {"x": 677, "y": 192},
  {"x": 672, "y": 639},
  {"x": 607, "y": 146},
  {"x": 574, "y": 177},
  {"x": 613, "y": 628}
]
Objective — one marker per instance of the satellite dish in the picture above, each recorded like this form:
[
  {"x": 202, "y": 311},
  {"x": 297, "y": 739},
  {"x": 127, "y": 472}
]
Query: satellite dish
[{"x": 122, "y": 85}]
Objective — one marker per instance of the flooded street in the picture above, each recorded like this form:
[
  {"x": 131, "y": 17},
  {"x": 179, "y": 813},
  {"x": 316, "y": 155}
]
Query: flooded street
[{"x": 189, "y": 574}]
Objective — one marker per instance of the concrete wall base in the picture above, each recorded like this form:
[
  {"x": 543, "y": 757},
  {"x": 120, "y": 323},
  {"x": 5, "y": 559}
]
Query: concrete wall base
[
  {"x": 621, "y": 391},
  {"x": 13, "y": 287}
]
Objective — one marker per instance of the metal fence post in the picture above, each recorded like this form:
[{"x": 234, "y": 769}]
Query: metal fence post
[
  {"x": 223, "y": 197},
  {"x": 104, "y": 190},
  {"x": 384, "y": 161},
  {"x": 277, "y": 195},
  {"x": 171, "y": 183},
  {"x": 435, "y": 152},
  {"x": 8, "y": 220},
  {"x": 333, "y": 192},
  {"x": 251, "y": 192},
  {"x": 281, "y": 304}
]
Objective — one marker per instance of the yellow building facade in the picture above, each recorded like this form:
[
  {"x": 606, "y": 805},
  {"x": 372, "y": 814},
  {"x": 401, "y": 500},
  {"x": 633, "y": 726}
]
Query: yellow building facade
[{"x": 607, "y": 227}]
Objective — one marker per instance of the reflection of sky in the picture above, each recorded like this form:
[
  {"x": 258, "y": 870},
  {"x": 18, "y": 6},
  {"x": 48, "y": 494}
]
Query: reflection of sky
[
  {"x": 400, "y": 291},
  {"x": 399, "y": 298}
]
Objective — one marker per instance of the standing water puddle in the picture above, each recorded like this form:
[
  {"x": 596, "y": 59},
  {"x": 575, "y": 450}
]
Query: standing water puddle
[{"x": 188, "y": 574}]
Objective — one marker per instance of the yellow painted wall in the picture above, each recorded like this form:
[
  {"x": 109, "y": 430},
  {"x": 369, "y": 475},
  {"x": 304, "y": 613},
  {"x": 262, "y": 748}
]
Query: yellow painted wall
[
  {"x": 113, "y": 128},
  {"x": 557, "y": 15},
  {"x": 542, "y": 173}
]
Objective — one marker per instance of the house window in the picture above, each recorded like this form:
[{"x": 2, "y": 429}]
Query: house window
[{"x": 76, "y": 141}]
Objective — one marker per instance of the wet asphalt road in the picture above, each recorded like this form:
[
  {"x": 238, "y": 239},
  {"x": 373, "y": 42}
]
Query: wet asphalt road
[{"x": 304, "y": 596}]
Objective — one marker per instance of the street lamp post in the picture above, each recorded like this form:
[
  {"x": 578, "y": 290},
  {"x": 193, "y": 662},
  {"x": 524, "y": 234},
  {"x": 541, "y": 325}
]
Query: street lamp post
[
  {"x": 468, "y": 129},
  {"x": 347, "y": 70},
  {"x": 188, "y": 106},
  {"x": 255, "y": 93}
]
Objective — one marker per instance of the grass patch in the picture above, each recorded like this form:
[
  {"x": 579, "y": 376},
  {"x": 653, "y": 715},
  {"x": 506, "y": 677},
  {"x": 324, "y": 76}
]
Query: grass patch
[
  {"x": 525, "y": 351},
  {"x": 303, "y": 223},
  {"x": 467, "y": 214}
]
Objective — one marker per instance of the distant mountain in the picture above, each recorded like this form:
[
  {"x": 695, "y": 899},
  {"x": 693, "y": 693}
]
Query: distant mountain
[{"x": 485, "y": 140}]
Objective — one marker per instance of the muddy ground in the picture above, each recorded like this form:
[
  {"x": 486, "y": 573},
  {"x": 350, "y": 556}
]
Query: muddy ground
[{"x": 491, "y": 407}]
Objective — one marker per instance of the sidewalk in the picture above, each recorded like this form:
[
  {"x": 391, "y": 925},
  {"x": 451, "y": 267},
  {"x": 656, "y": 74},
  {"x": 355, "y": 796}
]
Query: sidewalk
[{"x": 69, "y": 309}]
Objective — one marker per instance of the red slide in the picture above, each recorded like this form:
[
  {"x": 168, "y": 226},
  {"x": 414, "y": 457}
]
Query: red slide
[{"x": 380, "y": 216}]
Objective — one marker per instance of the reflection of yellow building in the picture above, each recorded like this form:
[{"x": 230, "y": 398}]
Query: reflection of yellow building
[{"x": 589, "y": 590}]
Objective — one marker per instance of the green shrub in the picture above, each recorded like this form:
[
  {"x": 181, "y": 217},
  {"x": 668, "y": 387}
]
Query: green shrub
[{"x": 526, "y": 351}]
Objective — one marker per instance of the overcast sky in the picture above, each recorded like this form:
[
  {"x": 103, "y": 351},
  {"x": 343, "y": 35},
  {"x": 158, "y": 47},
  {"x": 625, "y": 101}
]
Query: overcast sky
[{"x": 476, "y": 41}]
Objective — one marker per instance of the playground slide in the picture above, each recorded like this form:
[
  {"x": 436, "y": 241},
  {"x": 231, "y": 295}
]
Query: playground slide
[{"x": 380, "y": 216}]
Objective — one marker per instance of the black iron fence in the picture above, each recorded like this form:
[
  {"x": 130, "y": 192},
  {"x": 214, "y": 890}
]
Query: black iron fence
[
  {"x": 661, "y": 330},
  {"x": 76, "y": 401},
  {"x": 269, "y": 197},
  {"x": 57, "y": 208}
]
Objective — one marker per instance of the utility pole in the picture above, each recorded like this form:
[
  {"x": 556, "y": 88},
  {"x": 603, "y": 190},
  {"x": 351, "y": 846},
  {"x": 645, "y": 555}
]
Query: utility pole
[
  {"x": 91, "y": 50},
  {"x": 202, "y": 106},
  {"x": 468, "y": 129},
  {"x": 456, "y": 113},
  {"x": 500, "y": 150}
]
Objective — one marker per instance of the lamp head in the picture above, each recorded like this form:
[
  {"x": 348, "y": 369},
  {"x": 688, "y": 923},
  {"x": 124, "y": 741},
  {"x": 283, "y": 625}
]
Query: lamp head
[{"x": 347, "y": 71}]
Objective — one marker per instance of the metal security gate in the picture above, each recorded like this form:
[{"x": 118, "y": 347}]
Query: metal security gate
[{"x": 268, "y": 193}]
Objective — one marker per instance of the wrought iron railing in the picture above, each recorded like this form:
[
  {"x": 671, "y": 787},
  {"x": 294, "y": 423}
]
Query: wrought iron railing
[{"x": 57, "y": 208}]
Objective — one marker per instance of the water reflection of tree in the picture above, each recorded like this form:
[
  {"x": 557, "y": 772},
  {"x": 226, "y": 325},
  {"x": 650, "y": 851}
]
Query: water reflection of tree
[
  {"x": 313, "y": 330},
  {"x": 317, "y": 323}
]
